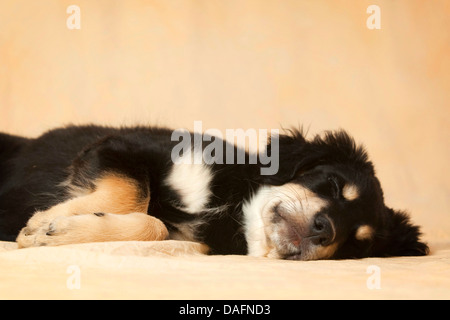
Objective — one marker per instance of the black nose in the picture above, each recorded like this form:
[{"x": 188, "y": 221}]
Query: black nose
[{"x": 322, "y": 231}]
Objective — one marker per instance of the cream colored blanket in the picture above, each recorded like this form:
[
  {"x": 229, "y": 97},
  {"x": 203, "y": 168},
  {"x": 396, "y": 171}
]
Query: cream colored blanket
[
  {"x": 237, "y": 64},
  {"x": 182, "y": 270}
]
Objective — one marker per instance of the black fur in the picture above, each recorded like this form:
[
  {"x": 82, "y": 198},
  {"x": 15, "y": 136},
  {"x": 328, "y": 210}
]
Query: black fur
[{"x": 32, "y": 172}]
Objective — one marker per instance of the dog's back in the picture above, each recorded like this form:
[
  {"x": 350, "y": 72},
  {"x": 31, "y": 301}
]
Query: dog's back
[{"x": 9, "y": 147}]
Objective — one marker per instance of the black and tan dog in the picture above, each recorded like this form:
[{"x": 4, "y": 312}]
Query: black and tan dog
[{"x": 91, "y": 183}]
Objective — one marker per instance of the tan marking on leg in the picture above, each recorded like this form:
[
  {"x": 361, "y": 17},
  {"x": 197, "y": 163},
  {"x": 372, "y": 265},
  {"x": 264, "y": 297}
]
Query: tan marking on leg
[{"x": 114, "y": 194}]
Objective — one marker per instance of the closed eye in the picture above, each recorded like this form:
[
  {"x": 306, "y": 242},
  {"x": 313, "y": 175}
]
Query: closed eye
[{"x": 335, "y": 188}]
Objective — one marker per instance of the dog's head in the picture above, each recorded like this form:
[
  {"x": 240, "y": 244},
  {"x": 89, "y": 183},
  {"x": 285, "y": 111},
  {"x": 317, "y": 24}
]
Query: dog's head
[{"x": 325, "y": 202}]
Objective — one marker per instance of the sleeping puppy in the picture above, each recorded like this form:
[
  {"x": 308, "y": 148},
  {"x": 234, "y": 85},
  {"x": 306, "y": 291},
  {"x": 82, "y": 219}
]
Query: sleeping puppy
[{"x": 92, "y": 183}]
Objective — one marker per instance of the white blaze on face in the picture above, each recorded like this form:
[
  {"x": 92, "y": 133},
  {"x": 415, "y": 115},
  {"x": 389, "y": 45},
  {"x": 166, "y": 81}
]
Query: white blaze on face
[{"x": 298, "y": 203}]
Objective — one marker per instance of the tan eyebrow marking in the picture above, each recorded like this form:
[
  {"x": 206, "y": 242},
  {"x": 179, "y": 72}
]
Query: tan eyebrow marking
[
  {"x": 350, "y": 192},
  {"x": 364, "y": 232}
]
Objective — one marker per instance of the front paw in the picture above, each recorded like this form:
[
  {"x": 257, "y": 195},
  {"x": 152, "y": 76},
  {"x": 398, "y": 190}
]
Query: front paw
[
  {"x": 26, "y": 237},
  {"x": 47, "y": 234}
]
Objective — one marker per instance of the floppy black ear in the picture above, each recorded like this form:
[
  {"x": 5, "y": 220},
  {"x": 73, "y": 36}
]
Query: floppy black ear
[{"x": 399, "y": 237}]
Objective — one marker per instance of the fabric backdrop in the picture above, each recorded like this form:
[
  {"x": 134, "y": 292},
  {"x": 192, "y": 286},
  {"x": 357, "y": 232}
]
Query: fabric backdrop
[{"x": 246, "y": 64}]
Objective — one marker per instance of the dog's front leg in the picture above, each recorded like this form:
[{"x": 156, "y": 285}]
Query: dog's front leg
[{"x": 114, "y": 211}]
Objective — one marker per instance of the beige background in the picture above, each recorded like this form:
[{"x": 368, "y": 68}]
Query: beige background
[{"x": 245, "y": 64}]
